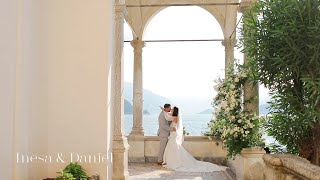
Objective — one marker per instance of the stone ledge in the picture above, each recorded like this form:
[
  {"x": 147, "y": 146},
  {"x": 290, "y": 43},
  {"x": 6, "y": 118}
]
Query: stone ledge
[
  {"x": 186, "y": 138},
  {"x": 136, "y": 138},
  {"x": 253, "y": 152},
  {"x": 292, "y": 164}
]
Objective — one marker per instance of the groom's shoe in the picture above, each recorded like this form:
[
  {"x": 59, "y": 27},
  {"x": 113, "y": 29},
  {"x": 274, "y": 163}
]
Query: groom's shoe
[{"x": 160, "y": 163}]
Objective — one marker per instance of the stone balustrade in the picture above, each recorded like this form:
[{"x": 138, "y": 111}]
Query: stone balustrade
[
  {"x": 251, "y": 164},
  {"x": 199, "y": 146},
  {"x": 288, "y": 166},
  {"x": 248, "y": 165}
]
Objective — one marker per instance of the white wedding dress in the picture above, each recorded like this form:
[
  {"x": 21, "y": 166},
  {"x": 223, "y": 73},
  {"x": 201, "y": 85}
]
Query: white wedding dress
[{"x": 178, "y": 159}]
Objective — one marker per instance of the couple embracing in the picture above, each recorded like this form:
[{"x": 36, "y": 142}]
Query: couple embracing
[{"x": 172, "y": 154}]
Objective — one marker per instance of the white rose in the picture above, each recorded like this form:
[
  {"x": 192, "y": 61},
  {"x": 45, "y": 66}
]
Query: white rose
[
  {"x": 251, "y": 125},
  {"x": 231, "y": 131}
]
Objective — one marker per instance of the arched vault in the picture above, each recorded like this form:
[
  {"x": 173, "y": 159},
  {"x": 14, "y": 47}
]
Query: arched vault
[{"x": 141, "y": 12}]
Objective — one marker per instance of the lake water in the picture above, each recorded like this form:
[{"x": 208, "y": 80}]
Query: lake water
[{"x": 195, "y": 124}]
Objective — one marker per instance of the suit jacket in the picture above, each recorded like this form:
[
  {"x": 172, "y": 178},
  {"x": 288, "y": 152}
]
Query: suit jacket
[{"x": 164, "y": 125}]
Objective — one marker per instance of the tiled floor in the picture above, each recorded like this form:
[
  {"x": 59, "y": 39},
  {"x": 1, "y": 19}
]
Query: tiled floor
[{"x": 153, "y": 171}]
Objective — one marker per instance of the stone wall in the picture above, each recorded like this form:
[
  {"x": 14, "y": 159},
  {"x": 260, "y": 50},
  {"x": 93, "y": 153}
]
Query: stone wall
[
  {"x": 199, "y": 146},
  {"x": 288, "y": 166},
  {"x": 55, "y": 60}
]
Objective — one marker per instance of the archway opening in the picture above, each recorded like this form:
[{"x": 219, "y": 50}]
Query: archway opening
[{"x": 182, "y": 73}]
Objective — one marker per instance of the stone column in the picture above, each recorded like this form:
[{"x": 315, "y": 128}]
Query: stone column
[
  {"x": 229, "y": 45},
  {"x": 136, "y": 137},
  {"x": 120, "y": 144},
  {"x": 137, "y": 128},
  {"x": 251, "y": 91}
]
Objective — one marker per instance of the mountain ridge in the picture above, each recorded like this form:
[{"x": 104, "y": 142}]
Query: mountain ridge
[{"x": 151, "y": 101}]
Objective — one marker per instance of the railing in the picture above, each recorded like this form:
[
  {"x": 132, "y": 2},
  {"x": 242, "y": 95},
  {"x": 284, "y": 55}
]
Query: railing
[
  {"x": 288, "y": 166},
  {"x": 146, "y": 150}
]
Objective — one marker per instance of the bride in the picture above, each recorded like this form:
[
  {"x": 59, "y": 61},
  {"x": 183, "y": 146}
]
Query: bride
[{"x": 177, "y": 158}]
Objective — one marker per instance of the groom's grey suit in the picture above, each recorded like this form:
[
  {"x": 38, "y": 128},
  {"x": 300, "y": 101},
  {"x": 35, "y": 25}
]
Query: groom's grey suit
[{"x": 163, "y": 132}]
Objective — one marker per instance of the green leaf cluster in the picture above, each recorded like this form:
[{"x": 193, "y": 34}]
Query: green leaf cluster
[
  {"x": 185, "y": 132},
  {"x": 281, "y": 39},
  {"x": 73, "y": 171},
  {"x": 64, "y": 176}
]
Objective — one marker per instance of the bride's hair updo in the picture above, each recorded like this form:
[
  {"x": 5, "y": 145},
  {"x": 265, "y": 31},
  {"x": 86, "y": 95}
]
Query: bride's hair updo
[{"x": 175, "y": 111}]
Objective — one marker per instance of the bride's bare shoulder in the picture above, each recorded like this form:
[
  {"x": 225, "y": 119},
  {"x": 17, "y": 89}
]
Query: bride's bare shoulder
[{"x": 175, "y": 119}]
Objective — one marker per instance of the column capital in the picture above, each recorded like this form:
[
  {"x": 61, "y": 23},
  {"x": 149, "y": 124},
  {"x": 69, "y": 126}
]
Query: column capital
[
  {"x": 120, "y": 10},
  {"x": 119, "y": 2},
  {"x": 229, "y": 42},
  {"x": 137, "y": 44},
  {"x": 245, "y": 5}
]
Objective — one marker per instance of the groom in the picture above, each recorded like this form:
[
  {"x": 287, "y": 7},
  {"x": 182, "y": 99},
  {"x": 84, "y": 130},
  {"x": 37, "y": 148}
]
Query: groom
[{"x": 164, "y": 130}]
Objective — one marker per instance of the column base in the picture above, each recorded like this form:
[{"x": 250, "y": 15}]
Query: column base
[
  {"x": 120, "y": 159},
  {"x": 124, "y": 177},
  {"x": 137, "y": 132}
]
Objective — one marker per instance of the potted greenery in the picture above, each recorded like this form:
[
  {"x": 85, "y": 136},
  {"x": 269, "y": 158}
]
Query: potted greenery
[
  {"x": 73, "y": 171},
  {"x": 64, "y": 176}
]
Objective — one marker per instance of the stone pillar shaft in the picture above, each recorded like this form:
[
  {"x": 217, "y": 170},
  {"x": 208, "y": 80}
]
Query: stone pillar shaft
[
  {"x": 120, "y": 144},
  {"x": 137, "y": 128},
  {"x": 251, "y": 91},
  {"x": 136, "y": 137},
  {"x": 229, "y": 45}
]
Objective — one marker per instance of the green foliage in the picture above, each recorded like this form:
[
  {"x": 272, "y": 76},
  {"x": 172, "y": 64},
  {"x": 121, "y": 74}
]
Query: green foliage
[
  {"x": 64, "y": 176},
  {"x": 76, "y": 171},
  {"x": 277, "y": 148},
  {"x": 282, "y": 41},
  {"x": 236, "y": 127},
  {"x": 185, "y": 132}
]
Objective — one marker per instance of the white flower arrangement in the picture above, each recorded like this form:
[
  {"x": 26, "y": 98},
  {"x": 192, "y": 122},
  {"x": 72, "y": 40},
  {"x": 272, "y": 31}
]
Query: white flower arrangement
[{"x": 236, "y": 127}]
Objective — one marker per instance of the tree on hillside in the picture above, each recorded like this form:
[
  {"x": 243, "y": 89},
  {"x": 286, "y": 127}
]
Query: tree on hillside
[{"x": 281, "y": 39}]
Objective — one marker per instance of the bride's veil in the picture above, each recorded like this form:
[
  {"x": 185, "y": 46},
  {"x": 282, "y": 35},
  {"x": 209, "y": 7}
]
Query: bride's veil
[{"x": 179, "y": 129}]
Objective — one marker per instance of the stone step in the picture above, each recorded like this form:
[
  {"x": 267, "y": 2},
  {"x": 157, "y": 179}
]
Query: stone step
[{"x": 229, "y": 174}]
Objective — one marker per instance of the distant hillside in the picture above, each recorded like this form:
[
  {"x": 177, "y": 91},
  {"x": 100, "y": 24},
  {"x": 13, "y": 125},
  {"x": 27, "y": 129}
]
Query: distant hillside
[
  {"x": 207, "y": 111},
  {"x": 151, "y": 101},
  {"x": 127, "y": 107},
  {"x": 263, "y": 109}
]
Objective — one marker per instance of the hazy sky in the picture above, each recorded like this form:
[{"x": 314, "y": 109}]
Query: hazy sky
[{"x": 181, "y": 71}]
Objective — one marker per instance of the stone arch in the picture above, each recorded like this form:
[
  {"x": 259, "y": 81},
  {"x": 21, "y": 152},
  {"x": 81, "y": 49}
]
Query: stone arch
[
  {"x": 126, "y": 23},
  {"x": 154, "y": 11}
]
